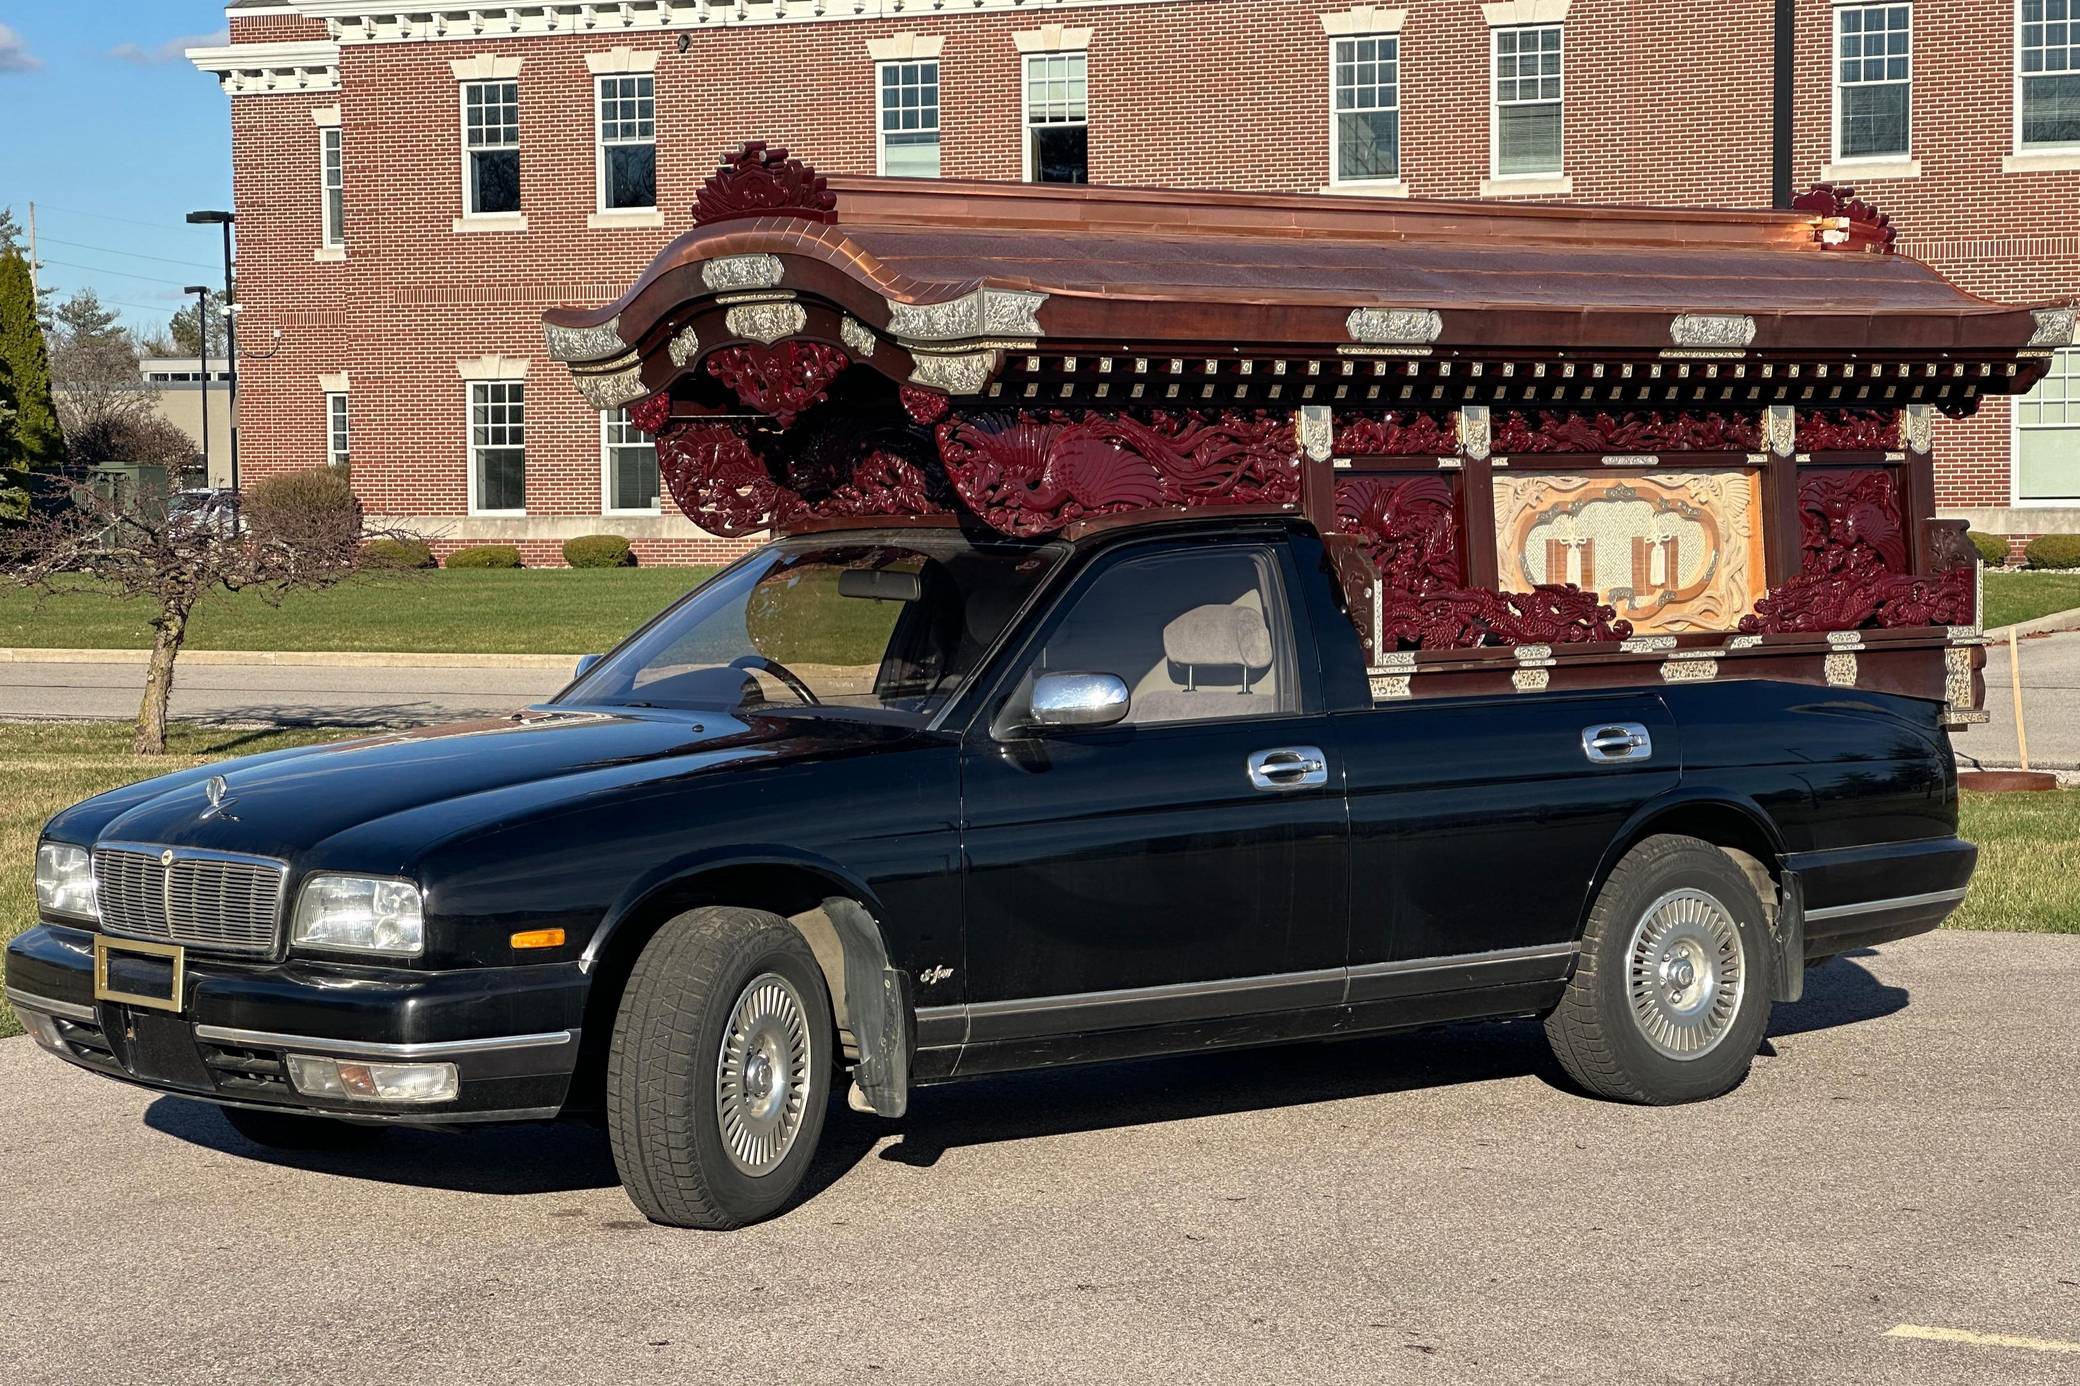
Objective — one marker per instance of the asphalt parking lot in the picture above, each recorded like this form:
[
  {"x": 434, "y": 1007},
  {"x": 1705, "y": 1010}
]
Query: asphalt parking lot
[{"x": 1889, "y": 1198}]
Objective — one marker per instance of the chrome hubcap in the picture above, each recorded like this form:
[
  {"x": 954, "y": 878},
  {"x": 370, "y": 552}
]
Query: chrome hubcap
[
  {"x": 762, "y": 1074},
  {"x": 1685, "y": 973}
]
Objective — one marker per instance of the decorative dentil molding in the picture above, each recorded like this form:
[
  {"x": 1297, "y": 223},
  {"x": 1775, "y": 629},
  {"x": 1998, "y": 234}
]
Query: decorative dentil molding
[{"x": 259, "y": 69}]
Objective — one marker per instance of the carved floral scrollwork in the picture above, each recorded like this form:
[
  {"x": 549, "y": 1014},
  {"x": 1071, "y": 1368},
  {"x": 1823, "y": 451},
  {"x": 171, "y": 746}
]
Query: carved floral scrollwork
[
  {"x": 1404, "y": 433},
  {"x": 1839, "y": 200},
  {"x": 721, "y": 484},
  {"x": 1854, "y": 571},
  {"x": 922, "y": 405},
  {"x": 1409, "y": 528},
  {"x": 1549, "y": 614},
  {"x": 1848, "y": 430},
  {"x": 781, "y": 380},
  {"x": 652, "y": 414},
  {"x": 1634, "y": 432},
  {"x": 758, "y": 181}
]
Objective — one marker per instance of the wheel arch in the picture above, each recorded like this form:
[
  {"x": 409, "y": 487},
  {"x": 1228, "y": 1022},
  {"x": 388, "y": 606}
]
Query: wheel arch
[{"x": 837, "y": 914}]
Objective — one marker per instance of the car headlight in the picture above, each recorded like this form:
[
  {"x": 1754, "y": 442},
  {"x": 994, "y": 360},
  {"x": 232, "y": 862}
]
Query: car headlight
[
  {"x": 361, "y": 914},
  {"x": 65, "y": 880}
]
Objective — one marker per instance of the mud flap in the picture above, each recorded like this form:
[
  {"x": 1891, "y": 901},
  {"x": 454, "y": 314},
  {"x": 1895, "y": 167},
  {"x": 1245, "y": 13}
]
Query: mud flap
[
  {"x": 878, "y": 1000},
  {"x": 1788, "y": 934}
]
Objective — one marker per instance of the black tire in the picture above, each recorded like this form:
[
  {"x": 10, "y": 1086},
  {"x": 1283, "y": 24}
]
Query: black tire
[
  {"x": 1609, "y": 1046},
  {"x": 664, "y": 1114},
  {"x": 295, "y": 1131}
]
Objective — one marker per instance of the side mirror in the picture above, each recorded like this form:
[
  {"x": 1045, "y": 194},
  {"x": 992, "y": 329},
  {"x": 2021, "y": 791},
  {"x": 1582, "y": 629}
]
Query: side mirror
[
  {"x": 1079, "y": 700},
  {"x": 585, "y": 663}
]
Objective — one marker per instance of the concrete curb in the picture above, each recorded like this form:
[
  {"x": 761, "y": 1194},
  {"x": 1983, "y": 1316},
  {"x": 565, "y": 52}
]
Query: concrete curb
[
  {"x": 330, "y": 659},
  {"x": 2041, "y": 625}
]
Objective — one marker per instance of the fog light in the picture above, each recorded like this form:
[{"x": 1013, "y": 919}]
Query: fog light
[
  {"x": 353, "y": 1081},
  {"x": 44, "y": 1030}
]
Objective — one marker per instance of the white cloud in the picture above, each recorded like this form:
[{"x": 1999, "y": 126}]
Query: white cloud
[
  {"x": 171, "y": 51},
  {"x": 14, "y": 54}
]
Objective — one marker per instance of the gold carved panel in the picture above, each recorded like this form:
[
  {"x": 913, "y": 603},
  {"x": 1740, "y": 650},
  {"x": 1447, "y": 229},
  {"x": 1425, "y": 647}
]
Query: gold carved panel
[{"x": 1672, "y": 551}]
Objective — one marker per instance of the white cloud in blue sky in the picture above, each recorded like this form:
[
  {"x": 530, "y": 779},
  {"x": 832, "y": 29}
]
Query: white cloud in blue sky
[
  {"x": 14, "y": 53},
  {"x": 172, "y": 50}
]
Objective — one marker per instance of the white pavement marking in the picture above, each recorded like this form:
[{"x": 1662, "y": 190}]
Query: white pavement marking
[{"x": 1970, "y": 1339}]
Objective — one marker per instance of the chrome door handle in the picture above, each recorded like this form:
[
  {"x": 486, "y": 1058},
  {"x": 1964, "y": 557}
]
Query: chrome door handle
[
  {"x": 1613, "y": 741},
  {"x": 1289, "y": 767}
]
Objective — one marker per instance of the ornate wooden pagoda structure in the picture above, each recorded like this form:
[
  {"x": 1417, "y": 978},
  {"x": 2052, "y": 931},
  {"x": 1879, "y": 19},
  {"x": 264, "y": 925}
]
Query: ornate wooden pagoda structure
[{"x": 1548, "y": 446}]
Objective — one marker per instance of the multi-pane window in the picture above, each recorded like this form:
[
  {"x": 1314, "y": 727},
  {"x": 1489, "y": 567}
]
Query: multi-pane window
[
  {"x": 336, "y": 430},
  {"x": 498, "y": 445},
  {"x": 627, "y": 142},
  {"x": 910, "y": 119},
  {"x": 2047, "y": 434},
  {"x": 333, "y": 179},
  {"x": 491, "y": 144},
  {"x": 2048, "y": 60},
  {"x": 1057, "y": 135},
  {"x": 1874, "y": 79},
  {"x": 1365, "y": 79},
  {"x": 630, "y": 458},
  {"x": 1527, "y": 100}
]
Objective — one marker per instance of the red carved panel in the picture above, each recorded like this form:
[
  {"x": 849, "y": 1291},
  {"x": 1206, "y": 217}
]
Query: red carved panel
[
  {"x": 1854, "y": 569},
  {"x": 1400, "y": 434},
  {"x": 1849, "y": 430},
  {"x": 721, "y": 484},
  {"x": 1866, "y": 222},
  {"x": 780, "y": 380},
  {"x": 1409, "y": 526},
  {"x": 1549, "y": 614},
  {"x": 925, "y": 406},
  {"x": 1034, "y": 472},
  {"x": 883, "y": 484},
  {"x": 1645, "y": 431},
  {"x": 652, "y": 414},
  {"x": 757, "y": 181},
  {"x": 1850, "y": 514}
]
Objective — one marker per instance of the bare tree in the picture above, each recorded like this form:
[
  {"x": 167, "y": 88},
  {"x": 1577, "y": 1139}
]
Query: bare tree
[
  {"x": 145, "y": 542},
  {"x": 102, "y": 404}
]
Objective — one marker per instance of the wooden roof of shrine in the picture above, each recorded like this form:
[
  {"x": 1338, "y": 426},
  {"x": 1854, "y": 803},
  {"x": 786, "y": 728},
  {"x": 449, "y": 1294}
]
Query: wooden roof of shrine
[{"x": 973, "y": 288}]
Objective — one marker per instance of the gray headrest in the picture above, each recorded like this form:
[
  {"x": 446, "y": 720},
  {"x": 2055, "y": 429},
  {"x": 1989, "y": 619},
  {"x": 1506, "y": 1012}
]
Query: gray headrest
[{"x": 1219, "y": 635}]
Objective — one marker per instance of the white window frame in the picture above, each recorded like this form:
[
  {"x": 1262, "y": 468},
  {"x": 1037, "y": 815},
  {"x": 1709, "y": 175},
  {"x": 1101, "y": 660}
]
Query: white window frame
[
  {"x": 339, "y": 428},
  {"x": 600, "y": 143},
  {"x": 1495, "y": 104},
  {"x": 881, "y": 131},
  {"x": 1025, "y": 105},
  {"x": 1336, "y": 178},
  {"x": 470, "y": 448},
  {"x": 2032, "y": 157},
  {"x": 470, "y": 214},
  {"x": 2015, "y": 432},
  {"x": 606, "y": 468},
  {"x": 1834, "y": 84},
  {"x": 332, "y": 154}
]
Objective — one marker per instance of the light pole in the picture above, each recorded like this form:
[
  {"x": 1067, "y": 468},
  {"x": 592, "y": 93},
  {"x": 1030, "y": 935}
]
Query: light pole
[
  {"x": 225, "y": 220},
  {"x": 201, "y": 292}
]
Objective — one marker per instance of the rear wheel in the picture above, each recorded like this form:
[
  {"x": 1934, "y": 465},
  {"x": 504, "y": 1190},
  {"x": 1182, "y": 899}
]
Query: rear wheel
[
  {"x": 718, "y": 1075},
  {"x": 1670, "y": 998},
  {"x": 295, "y": 1131}
]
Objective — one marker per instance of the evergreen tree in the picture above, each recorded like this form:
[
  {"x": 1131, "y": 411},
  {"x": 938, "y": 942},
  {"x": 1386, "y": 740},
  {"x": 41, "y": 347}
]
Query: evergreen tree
[
  {"x": 85, "y": 321},
  {"x": 14, "y": 465},
  {"x": 10, "y": 231},
  {"x": 37, "y": 437},
  {"x": 187, "y": 338}
]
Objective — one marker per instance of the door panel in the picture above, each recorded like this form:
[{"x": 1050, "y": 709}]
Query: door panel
[{"x": 1477, "y": 823}]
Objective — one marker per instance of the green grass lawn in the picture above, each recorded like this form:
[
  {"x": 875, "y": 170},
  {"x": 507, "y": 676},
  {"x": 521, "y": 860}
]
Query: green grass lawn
[
  {"x": 529, "y": 611},
  {"x": 2029, "y": 844},
  {"x": 2024, "y": 596}
]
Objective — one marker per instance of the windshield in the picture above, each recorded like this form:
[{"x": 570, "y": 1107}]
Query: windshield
[{"x": 880, "y": 624}]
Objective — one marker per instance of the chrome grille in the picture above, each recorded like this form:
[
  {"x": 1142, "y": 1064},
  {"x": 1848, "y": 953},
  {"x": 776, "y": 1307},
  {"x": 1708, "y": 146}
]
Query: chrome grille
[{"x": 209, "y": 900}]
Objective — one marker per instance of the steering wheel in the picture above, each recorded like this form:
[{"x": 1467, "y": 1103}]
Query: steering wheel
[{"x": 781, "y": 672}]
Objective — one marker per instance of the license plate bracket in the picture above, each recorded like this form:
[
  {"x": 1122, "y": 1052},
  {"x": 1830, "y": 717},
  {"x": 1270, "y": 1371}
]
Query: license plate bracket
[{"x": 138, "y": 972}]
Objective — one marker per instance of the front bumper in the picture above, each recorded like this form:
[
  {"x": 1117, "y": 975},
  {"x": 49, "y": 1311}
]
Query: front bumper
[{"x": 511, "y": 1032}]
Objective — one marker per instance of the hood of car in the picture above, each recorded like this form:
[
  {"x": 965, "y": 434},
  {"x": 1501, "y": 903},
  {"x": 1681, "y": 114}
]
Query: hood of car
[{"x": 475, "y": 774}]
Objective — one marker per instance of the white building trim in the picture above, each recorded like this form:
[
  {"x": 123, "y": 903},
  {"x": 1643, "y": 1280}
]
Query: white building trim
[
  {"x": 334, "y": 384},
  {"x": 486, "y": 67},
  {"x": 1363, "y": 20},
  {"x": 258, "y": 69},
  {"x": 325, "y": 117},
  {"x": 905, "y": 47},
  {"x": 1508, "y": 13},
  {"x": 492, "y": 367},
  {"x": 619, "y": 62},
  {"x": 1052, "y": 38}
]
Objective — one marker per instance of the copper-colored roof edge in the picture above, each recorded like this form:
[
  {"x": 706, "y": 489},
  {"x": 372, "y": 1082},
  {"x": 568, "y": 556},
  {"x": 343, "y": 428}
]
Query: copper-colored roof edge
[{"x": 865, "y": 200}]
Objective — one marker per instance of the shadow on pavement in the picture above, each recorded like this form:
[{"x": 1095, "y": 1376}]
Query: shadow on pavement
[{"x": 562, "y": 1157}]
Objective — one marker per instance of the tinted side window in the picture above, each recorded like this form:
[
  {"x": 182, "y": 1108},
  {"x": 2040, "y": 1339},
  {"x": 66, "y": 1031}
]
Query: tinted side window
[{"x": 1195, "y": 636}]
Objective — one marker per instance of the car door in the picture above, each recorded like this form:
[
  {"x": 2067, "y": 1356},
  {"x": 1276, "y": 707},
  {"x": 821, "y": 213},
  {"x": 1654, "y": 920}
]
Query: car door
[{"x": 1186, "y": 862}]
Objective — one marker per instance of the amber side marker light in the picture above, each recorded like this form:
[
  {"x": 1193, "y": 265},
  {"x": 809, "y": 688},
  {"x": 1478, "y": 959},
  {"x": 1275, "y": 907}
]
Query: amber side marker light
[{"x": 539, "y": 938}]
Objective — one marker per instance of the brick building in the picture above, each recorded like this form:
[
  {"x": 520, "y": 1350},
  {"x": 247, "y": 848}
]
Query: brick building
[{"x": 416, "y": 182}]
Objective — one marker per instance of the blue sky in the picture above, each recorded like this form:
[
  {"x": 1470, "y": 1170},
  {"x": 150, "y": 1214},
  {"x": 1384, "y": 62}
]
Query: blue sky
[{"x": 115, "y": 136}]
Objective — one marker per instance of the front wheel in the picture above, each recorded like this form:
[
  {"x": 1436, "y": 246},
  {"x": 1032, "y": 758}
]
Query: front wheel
[
  {"x": 1670, "y": 998},
  {"x": 718, "y": 1075}
]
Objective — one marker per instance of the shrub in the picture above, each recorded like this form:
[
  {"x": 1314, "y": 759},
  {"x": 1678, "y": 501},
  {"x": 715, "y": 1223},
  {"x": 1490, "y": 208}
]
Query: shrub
[
  {"x": 486, "y": 556},
  {"x": 1993, "y": 549},
  {"x": 312, "y": 511},
  {"x": 599, "y": 551},
  {"x": 2053, "y": 551},
  {"x": 396, "y": 553}
]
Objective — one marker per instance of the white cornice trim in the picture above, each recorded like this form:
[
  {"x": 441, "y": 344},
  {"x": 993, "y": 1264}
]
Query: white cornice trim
[
  {"x": 617, "y": 61},
  {"x": 1364, "y": 19},
  {"x": 247, "y": 69},
  {"x": 1052, "y": 38},
  {"x": 1507, "y": 13},
  {"x": 492, "y": 367},
  {"x": 905, "y": 47},
  {"x": 486, "y": 67}
]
